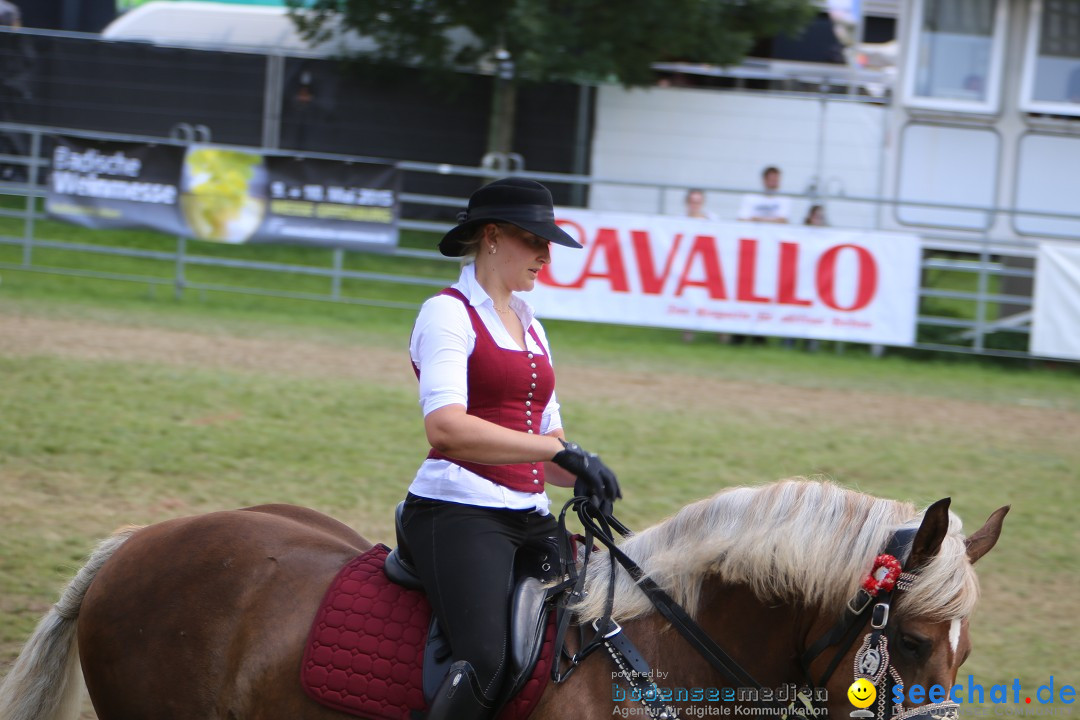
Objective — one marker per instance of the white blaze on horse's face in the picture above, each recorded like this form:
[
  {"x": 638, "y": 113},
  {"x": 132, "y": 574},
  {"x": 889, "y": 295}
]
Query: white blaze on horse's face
[{"x": 954, "y": 634}]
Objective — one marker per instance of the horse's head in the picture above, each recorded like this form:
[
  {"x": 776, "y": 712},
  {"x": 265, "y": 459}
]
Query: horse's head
[
  {"x": 800, "y": 582},
  {"x": 926, "y": 638}
]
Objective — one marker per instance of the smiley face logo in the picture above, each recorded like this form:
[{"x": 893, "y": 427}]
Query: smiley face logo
[{"x": 862, "y": 693}]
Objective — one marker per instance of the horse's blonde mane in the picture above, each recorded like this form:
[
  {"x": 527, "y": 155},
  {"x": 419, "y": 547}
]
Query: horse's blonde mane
[{"x": 797, "y": 541}]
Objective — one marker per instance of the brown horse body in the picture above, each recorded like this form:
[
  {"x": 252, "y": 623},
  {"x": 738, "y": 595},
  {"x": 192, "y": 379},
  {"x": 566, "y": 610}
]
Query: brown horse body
[
  {"x": 206, "y": 617},
  {"x": 226, "y": 599}
]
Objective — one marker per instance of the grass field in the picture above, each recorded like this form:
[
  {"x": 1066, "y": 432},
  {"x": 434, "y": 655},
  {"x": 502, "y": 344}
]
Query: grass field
[{"x": 120, "y": 405}]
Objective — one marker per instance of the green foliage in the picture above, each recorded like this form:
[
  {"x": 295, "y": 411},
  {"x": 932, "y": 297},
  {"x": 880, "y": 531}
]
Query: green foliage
[{"x": 559, "y": 40}]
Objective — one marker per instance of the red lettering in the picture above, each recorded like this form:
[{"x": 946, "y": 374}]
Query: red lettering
[
  {"x": 577, "y": 232},
  {"x": 867, "y": 281},
  {"x": 748, "y": 271},
  {"x": 705, "y": 246},
  {"x": 651, "y": 283},
  {"x": 606, "y": 242},
  {"x": 787, "y": 288}
]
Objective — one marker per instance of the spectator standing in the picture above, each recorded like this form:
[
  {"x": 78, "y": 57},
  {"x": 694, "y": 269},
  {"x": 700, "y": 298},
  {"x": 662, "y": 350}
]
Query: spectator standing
[
  {"x": 10, "y": 15},
  {"x": 15, "y": 65},
  {"x": 764, "y": 207},
  {"x": 695, "y": 208},
  {"x": 695, "y": 204},
  {"x": 767, "y": 206},
  {"x": 815, "y": 216}
]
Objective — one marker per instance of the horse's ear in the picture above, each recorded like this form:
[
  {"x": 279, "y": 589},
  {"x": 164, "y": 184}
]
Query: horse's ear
[
  {"x": 927, "y": 542},
  {"x": 983, "y": 540}
]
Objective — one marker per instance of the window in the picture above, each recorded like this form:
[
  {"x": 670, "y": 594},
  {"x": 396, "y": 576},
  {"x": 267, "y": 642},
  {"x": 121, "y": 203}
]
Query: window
[
  {"x": 1043, "y": 185},
  {"x": 956, "y": 55},
  {"x": 1051, "y": 81},
  {"x": 942, "y": 166}
]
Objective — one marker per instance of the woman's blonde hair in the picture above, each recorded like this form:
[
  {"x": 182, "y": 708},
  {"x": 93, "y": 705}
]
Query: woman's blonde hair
[{"x": 471, "y": 245}]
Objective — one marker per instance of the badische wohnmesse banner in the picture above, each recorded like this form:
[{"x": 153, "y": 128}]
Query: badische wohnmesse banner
[{"x": 225, "y": 195}]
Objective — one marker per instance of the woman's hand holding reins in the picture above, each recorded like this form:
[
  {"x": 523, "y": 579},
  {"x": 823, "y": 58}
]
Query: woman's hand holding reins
[{"x": 595, "y": 480}]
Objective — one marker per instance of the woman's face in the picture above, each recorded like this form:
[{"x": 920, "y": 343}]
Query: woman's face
[{"x": 518, "y": 258}]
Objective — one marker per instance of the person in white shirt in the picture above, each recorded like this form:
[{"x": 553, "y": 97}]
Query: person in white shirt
[
  {"x": 487, "y": 390},
  {"x": 768, "y": 206}
]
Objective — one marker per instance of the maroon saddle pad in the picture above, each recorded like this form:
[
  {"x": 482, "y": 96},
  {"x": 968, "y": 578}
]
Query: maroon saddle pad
[{"x": 365, "y": 651}]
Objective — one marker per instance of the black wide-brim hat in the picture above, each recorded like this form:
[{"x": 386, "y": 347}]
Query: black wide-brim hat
[{"x": 524, "y": 203}]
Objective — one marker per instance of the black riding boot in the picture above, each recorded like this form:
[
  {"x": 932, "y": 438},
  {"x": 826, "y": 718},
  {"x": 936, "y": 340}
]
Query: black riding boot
[{"x": 460, "y": 696}]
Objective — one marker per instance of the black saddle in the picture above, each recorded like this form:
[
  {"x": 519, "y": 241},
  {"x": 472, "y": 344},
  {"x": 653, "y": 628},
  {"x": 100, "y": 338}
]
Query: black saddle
[{"x": 528, "y": 617}]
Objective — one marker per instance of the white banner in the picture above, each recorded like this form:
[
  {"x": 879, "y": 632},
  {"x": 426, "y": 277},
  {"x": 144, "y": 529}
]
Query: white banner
[
  {"x": 1055, "y": 320},
  {"x": 735, "y": 277}
]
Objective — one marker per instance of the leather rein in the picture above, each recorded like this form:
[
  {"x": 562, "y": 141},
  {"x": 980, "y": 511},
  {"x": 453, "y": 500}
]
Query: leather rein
[{"x": 632, "y": 666}]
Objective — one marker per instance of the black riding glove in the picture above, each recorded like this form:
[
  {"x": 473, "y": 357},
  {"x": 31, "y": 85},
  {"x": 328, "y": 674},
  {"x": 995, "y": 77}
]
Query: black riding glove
[{"x": 595, "y": 480}]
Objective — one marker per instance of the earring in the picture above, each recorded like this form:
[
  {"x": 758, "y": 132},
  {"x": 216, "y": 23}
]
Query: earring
[{"x": 492, "y": 251}]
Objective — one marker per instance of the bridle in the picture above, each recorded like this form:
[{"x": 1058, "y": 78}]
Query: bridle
[{"x": 871, "y": 603}]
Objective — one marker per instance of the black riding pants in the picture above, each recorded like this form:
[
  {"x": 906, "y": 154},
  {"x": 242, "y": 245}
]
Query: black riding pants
[{"x": 465, "y": 556}]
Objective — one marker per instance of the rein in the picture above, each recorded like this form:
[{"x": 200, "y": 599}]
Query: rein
[
  {"x": 597, "y": 526},
  {"x": 871, "y": 661},
  {"x": 609, "y": 634}
]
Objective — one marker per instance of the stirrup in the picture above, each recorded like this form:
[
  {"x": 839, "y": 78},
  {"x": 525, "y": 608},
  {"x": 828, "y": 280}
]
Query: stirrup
[{"x": 460, "y": 696}]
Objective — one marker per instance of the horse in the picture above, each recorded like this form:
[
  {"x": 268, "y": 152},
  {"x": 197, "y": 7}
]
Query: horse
[{"x": 206, "y": 616}]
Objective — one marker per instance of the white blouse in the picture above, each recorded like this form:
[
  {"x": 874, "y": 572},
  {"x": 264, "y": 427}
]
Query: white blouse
[{"x": 442, "y": 340}]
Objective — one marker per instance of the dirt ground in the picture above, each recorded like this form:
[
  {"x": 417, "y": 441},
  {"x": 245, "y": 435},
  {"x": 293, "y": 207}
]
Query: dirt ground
[{"x": 27, "y": 335}]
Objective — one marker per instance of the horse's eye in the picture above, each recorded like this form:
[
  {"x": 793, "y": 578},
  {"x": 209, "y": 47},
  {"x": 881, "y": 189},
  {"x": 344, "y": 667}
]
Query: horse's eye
[{"x": 913, "y": 645}]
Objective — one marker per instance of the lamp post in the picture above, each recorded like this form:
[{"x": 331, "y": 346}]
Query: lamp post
[{"x": 503, "y": 104}]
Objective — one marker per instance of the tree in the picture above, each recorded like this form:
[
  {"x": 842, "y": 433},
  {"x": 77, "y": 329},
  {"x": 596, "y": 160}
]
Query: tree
[{"x": 581, "y": 41}]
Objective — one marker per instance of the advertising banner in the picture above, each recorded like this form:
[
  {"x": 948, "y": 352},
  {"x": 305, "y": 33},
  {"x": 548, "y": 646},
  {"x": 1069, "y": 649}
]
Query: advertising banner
[
  {"x": 734, "y": 277},
  {"x": 223, "y": 195},
  {"x": 1055, "y": 314}
]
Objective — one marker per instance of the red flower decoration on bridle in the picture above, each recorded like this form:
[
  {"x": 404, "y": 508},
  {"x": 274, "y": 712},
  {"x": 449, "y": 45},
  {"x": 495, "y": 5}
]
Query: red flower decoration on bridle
[{"x": 883, "y": 576}]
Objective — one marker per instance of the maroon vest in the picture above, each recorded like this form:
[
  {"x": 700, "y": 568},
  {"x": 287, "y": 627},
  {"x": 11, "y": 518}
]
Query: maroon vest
[{"x": 510, "y": 388}]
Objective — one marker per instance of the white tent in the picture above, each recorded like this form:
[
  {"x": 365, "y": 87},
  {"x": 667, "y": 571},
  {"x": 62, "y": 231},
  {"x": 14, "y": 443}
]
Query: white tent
[{"x": 222, "y": 26}]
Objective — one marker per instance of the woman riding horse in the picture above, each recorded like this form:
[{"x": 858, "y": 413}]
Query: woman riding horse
[{"x": 487, "y": 389}]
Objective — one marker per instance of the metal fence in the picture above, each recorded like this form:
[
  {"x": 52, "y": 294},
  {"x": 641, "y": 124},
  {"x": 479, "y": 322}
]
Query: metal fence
[{"x": 995, "y": 322}]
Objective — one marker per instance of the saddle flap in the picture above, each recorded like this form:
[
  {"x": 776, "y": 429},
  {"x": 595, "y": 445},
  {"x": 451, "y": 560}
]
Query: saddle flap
[
  {"x": 528, "y": 620},
  {"x": 527, "y": 615}
]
